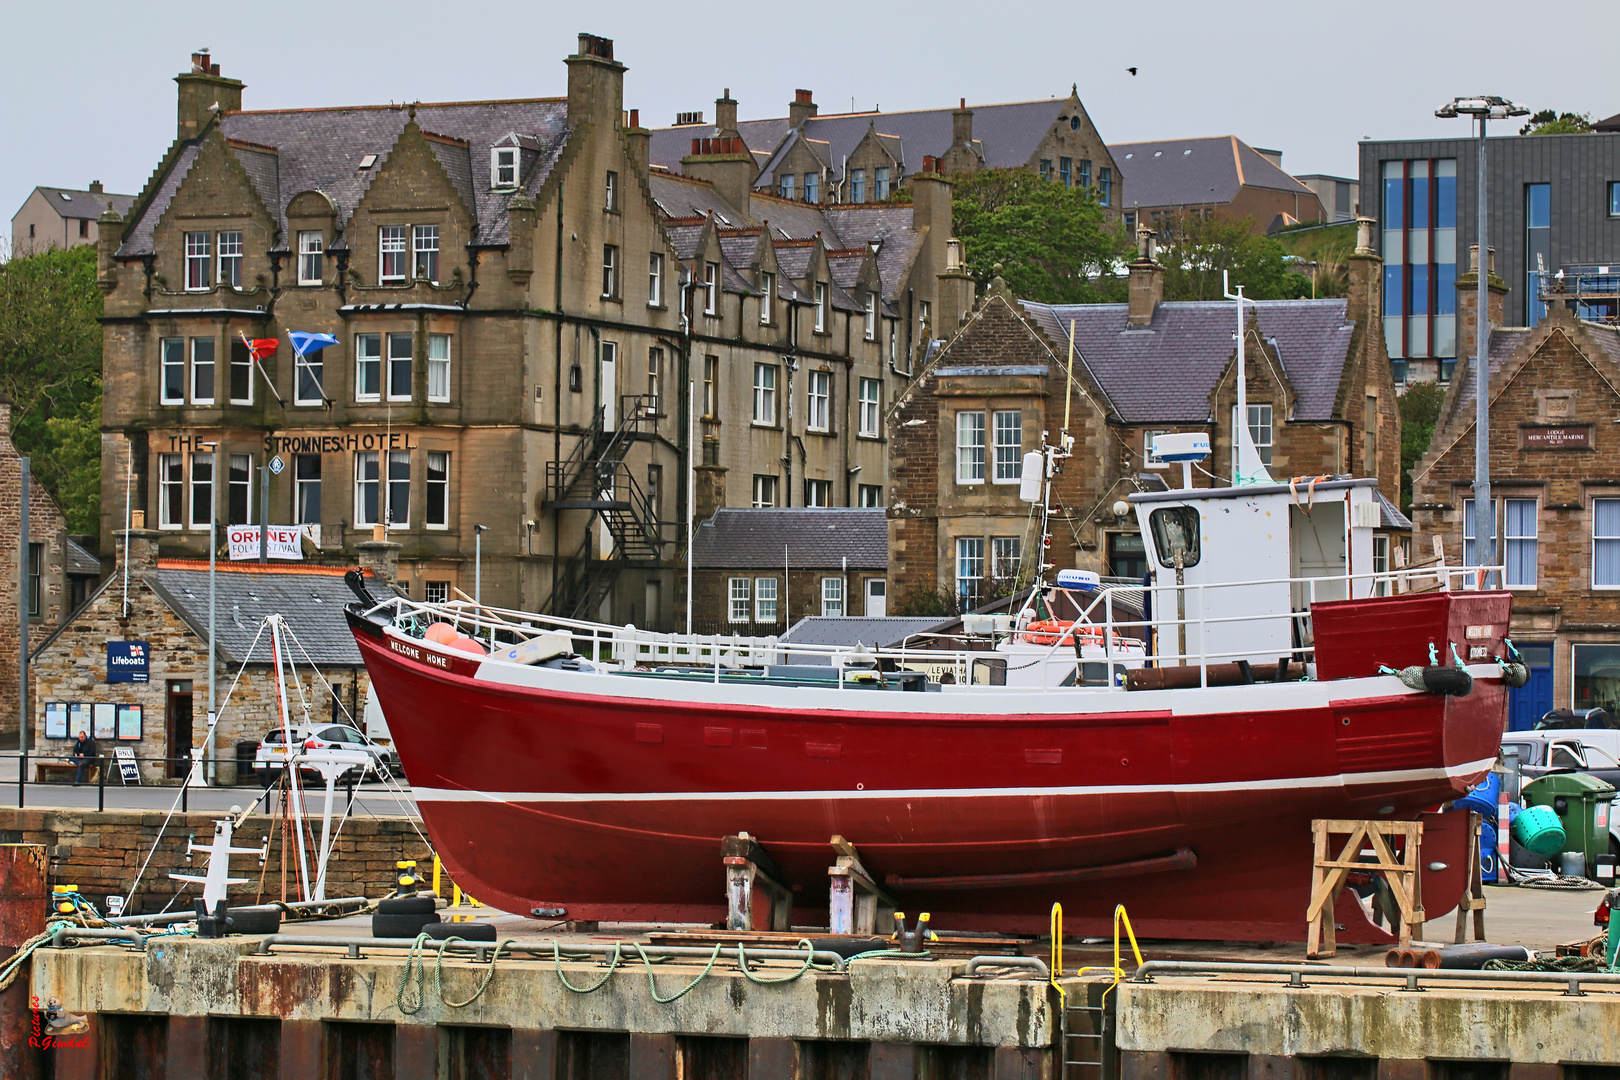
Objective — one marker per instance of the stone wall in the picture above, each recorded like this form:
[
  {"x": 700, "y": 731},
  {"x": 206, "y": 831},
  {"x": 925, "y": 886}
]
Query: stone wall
[
  {"x": 45, "y": 526},
  {"x": 101, "y": 852}
]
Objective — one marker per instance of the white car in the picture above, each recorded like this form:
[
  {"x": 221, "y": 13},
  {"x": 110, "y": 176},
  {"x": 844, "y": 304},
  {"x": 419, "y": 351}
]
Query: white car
[{"x": 273, "y": 752}]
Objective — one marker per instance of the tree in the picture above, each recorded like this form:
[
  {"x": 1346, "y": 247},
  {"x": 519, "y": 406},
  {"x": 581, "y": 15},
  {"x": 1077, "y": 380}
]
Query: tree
[
  {"x": 1552, "y": 122},
  {"x": 1420, "y": 411},
  {"x": 50, "y": 368},
  {"x": 1198, "y": 249},
  {"x": 1052, "y": 241}
]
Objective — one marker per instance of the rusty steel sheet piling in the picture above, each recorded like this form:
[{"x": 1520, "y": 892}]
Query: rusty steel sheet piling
[{"x": 22, "y": 915}]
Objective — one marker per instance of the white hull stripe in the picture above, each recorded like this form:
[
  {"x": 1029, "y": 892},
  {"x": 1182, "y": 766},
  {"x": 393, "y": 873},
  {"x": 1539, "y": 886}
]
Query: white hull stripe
[{"x": 1370, "y": 779}]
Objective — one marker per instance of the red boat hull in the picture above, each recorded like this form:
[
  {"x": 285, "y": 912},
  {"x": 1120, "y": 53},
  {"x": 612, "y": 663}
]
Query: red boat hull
[{"x": 607, "y": 795}]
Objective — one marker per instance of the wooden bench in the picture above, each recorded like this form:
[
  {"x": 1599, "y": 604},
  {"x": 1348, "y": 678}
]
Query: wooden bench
[{"x": 54, "y": 772}]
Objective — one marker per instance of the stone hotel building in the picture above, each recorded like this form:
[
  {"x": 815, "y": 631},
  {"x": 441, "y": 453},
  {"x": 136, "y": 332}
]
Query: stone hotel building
[{"x": 520, "y": 304}]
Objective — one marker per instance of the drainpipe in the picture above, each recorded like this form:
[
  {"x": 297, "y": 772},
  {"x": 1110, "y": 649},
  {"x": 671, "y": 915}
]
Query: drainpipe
[
  {"x": 689, "y": 474},
  {"x": 556, "y": 401}
]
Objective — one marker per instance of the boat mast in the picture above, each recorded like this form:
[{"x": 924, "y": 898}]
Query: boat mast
[{"x": 1247, "y": 468}]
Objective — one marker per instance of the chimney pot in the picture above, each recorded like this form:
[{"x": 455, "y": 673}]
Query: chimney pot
[
  {"x": 802, "y": 109},
  {"x": 635, "y": 118}
]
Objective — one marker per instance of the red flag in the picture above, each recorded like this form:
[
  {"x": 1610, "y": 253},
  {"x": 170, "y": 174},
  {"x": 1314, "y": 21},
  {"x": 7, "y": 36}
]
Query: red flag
[{"x": 259, "y": 348}]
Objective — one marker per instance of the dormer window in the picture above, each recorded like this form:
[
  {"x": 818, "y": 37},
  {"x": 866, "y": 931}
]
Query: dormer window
[{"x": 503, "y": 167}]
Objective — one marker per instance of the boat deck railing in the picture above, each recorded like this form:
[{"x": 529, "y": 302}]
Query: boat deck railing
[{"x": 1125, "y": 639}]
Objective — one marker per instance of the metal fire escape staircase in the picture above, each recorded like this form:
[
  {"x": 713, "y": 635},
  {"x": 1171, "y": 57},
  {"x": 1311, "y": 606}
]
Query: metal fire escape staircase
[{"x": 596, "y": 477}]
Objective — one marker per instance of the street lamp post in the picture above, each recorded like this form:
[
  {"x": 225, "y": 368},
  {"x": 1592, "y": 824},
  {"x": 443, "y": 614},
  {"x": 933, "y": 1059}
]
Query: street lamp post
[
  {"x": 213, "y": 552},
  {"x": 1483, "y": 108}
]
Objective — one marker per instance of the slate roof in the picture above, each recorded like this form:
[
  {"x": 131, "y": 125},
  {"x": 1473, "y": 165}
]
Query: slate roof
[
  {"x": 1505, "y": 342},
  {"x": 311, "y": 599},
  {"x": 817, "y": 538},
  {"x": 883, "y": 633},
  {"x": 1189, "y": 172},
  {"x": 321, "y": 149},
  {"x": 1006, "y": 134},
  {"x": 79, "y": 561},
  {"x": 1164, "y": 373},
  {"x": 84, "y": 204},
  {"x": 1390, "y": 516}
]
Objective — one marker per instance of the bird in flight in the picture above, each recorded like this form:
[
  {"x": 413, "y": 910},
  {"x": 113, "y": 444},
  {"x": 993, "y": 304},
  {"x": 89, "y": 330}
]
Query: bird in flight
[{"x": 1131, "y": 70}]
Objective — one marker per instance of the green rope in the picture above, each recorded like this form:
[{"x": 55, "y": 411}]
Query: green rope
[
  {"x": 414, "y": 957},
  {"x": 1575, "y": 964},
  {"x": 742, "y": 962},
  {"x": 489, "y": 973},
  {"x": 653, "y": 986},
  {"x": 8, "y": 972},
  {"x": 556, "y": 956}
]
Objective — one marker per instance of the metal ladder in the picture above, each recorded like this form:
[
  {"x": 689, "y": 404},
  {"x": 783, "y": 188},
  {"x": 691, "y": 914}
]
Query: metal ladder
[{"x": 1083, "y": 1051}]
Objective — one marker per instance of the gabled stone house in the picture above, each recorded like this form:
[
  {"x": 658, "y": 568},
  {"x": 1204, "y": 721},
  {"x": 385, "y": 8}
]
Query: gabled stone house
[{"x": 1319, "y": 396}]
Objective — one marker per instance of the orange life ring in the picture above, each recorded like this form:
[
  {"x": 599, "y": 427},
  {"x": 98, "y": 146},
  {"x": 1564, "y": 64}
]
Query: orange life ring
[{"x": 1052, "y": 631}]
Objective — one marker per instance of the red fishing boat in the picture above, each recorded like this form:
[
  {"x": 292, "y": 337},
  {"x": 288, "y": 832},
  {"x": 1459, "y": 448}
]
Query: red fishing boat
[{"x": 1169, "y": 755}]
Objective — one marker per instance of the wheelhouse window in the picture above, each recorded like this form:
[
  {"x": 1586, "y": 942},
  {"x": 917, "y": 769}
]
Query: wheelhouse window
[
  {"x": 819, "y": 384},
  {"x": 230, "y": 259},
  {"x": 1009, "y": 446},
  {"x": 392, "y": 256},
  {"x": 199, "y": 255},
  {"x": 970, "y": 447},
  {"x": 1175, "y": 532},
  {"x": 367, "y": 367}
]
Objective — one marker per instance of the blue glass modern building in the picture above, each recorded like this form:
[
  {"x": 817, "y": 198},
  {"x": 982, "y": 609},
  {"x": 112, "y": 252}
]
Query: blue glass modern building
[{"x": 1554, "y": 205}]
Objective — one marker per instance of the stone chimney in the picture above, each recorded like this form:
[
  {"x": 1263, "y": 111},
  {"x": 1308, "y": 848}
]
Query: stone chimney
[
  {"x": 1468, "y": 299},
  {"x": 725, "y": 162},
  {"x": 381, "y": 557},
  {"x": 802, "y": 109},
  {"x": 595, "y": 83},
  {"x": 725, "y": 114},
  {"x": 204, "y": 94},
  {"x": 140, "y": 546},
  {"x": 962, "y": 124},
  {"x": 1146, "y": 281},
  {"x": 1365, "y": 298},
  {"x": 109, "y": 235},
  {"x": 95, "y": 187},
  {"x": 638, "y": 141}
]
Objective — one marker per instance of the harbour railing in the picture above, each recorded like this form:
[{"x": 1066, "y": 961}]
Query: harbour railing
[{"x": 1181, "y": 630}]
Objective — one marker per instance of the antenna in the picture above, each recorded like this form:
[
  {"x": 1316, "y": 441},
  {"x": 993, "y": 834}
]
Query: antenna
[{"x": 1247, "y": 468}]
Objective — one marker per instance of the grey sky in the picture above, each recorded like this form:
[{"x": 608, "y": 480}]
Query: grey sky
[{"x": 88, "y": 91}]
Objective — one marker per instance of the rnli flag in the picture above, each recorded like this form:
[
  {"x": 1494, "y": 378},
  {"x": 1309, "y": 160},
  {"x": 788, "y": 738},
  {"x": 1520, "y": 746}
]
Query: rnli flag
[{"x": 304, "y": 343}]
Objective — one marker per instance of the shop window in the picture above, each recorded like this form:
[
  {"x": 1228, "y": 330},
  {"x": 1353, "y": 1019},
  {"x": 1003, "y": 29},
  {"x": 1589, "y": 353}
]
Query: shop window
[{"x": 1596, "y": 682}]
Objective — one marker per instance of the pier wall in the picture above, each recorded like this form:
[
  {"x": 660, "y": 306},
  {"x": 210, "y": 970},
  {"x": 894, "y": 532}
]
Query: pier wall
[{"x": 102, "y": 851}]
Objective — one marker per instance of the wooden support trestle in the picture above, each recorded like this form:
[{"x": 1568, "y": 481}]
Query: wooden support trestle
[
  {"x": 855, "y": 903},
  {"x": 757, "y": 896},
  {"x": 1329, "y": 873}
]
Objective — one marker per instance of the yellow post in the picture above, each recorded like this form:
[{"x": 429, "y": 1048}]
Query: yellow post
[
  {"x": 435, "y": 873},
  {"x": 1057, "y": 951}
]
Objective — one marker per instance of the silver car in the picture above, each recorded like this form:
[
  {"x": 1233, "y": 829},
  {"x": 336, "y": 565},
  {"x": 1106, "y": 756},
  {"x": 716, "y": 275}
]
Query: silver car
[{"x": 274, "y": 751}]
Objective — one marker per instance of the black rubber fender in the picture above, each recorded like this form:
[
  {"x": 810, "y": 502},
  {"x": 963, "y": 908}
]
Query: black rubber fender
[
  {"x": 255, "y": 919},
  {"x": 1451, "y": 681},
  {"x": 466, "y": 931},
  {"x": 400, "y": 926},
  {"x": 407, "y": 905}
]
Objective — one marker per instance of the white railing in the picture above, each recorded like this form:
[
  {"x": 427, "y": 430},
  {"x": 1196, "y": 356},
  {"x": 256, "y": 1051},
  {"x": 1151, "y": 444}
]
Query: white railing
[{"x": 628, "y": 648}]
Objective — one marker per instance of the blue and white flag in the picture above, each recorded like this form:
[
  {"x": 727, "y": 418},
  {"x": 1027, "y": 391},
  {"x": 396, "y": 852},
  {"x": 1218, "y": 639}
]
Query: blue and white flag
[{"x": 304, "y": 343}]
